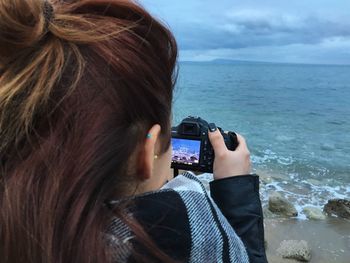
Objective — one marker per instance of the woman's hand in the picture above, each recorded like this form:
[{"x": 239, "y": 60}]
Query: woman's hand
[{"x": 228, "y": 163}]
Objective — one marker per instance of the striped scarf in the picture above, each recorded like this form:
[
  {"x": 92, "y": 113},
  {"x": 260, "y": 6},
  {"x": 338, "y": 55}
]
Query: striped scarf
[{"x": 211, "y": 237}]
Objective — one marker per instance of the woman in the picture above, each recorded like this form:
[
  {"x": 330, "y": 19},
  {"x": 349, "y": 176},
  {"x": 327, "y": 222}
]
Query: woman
[{"x": 85, "y": 105}]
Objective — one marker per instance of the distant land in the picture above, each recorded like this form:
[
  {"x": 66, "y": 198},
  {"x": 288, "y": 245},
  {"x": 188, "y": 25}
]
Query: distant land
[{"x": 232, "y": 61}]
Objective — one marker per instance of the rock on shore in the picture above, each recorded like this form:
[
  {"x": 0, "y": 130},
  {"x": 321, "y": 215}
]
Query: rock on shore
[
  {"x": 295, "y": 249},
  {"x": 314, "y": 213},
  {"x": 338, "y": 207},
  {"x": 281, "y": 206}
]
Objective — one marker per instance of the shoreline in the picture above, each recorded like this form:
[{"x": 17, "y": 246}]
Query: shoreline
[{"x": 300, "y": 193}]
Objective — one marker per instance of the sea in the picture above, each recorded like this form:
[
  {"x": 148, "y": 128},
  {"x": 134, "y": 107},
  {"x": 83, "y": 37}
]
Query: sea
[{"x": 295, "y": 118}]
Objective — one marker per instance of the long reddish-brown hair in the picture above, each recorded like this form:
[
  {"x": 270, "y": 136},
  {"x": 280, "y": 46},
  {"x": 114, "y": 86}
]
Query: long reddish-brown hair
[{"x": 81, "y": 83}]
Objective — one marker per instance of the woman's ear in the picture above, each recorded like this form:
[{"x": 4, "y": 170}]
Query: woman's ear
[{"x": 148, "y": 153}]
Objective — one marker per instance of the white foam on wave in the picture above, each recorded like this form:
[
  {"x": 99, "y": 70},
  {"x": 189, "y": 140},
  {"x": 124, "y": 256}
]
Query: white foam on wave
[
  {"x": 299, "y": 199},
  {"x": 309, "y": 194},
  {"x": 284, "y": 160},
  {"x": 347, "y": 189},
  {"x": 268, "y": 156},
  {"x": 334, "y": 191},
  {"x": 301, "y": 193},
  {"x": 279, "y": 187}
]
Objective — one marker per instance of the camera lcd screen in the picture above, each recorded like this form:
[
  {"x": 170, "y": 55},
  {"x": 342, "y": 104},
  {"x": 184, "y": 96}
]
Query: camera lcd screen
[{"x": 186, "y": 151}]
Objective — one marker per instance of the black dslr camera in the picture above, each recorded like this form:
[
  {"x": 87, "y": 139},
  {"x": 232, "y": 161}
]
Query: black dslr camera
[{"x": 191, "y": 146}]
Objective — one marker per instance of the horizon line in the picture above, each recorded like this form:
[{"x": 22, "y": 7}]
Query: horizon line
[{"x": 228, "y": 61}]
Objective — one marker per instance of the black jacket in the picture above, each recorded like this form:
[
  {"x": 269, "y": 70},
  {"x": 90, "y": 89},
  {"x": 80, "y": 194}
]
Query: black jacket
[
  {"x": 164, "y": 218},
  {"x": 238, "y": 199}
]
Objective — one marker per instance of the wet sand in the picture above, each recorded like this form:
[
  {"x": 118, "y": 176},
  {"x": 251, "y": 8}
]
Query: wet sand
[{"x": 328, "y": 239}]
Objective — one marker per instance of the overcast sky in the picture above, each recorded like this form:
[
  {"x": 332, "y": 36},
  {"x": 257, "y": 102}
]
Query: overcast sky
[{"x": 295, "y": 31}]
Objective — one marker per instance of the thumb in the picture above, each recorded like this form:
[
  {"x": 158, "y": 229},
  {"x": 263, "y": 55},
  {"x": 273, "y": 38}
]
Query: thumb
[
  {"x": 216, "y": 140},
  {"x": 242, "y": 144}
]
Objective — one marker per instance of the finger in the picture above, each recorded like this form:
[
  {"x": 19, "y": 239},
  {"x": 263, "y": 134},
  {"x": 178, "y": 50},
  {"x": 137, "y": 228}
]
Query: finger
[
  {"x": 242, "y": 144},
  {"x": 218, "y": 143}
]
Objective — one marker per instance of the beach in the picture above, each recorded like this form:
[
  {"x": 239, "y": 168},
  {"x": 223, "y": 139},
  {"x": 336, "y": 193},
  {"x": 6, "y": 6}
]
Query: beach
[{"x": 328, "y": 239}]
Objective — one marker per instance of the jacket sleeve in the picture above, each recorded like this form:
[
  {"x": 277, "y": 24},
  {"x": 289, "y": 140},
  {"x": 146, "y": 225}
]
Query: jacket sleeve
[{"x": 238, "y": 199}]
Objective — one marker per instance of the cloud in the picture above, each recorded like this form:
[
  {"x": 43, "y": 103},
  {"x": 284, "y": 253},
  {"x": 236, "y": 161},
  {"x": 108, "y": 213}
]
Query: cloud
[
  {"x": 249, "y": 28},
  {"x": 262, "y": 22},
  {"x": 268, "y": 26},
  {"x": 208, "y": 29}
]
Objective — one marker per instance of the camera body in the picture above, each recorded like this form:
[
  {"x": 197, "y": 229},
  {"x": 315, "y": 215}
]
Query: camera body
[{"x": 192, "y": 149}]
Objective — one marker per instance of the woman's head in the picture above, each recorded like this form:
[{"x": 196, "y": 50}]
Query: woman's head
[{"x": 80, "y": 89}]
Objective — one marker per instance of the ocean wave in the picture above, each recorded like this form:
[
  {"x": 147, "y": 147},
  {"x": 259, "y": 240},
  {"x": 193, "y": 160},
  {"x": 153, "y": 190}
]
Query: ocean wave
[
  {"x": 268, "y": 156},
  {"x": 303, "y": 193}
]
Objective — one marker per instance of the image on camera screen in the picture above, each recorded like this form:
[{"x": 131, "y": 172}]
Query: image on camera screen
[{"x": 185, "y": 151}]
